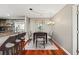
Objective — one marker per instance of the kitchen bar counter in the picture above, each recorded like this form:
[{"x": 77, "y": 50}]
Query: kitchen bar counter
[
  {"x": 5, "y": 36},
  {"x": 9, "y": 37}
]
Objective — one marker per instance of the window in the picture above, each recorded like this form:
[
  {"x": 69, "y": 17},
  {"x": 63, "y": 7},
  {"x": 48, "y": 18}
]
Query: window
[{"x": 19, "y": 26}]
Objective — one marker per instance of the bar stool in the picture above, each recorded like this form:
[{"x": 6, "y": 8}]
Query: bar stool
[
  {"x": 22, "y": 43},
  {"x": 18, "y": 46},
  {"x": 9, "y": 49}
]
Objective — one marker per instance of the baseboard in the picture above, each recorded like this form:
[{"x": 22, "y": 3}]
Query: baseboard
[{"x": 62, "y": 47}]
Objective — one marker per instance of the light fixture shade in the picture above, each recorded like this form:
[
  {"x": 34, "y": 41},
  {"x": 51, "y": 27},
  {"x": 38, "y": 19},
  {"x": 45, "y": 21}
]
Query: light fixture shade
[{"x": 51, "y": 23}]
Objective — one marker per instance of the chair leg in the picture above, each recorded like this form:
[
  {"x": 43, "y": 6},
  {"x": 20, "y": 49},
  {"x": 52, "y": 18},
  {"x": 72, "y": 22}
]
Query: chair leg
[
  {"x": 7, "y": 52},
  {"x": 44, "y": 44},
  {"x": 36, "y": 43},
  {"x": 3, "y": 52}
]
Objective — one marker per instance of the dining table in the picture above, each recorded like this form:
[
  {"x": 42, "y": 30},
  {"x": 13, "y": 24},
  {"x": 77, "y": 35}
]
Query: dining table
[{"x": 40, "y": 35}]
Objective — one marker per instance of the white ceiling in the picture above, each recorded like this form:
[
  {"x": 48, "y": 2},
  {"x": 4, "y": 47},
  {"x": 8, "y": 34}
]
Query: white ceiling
[{"x": 20, "y": 10}]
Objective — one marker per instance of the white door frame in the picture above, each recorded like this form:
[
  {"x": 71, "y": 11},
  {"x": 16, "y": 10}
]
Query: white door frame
[{"x": 74, "y": 26}]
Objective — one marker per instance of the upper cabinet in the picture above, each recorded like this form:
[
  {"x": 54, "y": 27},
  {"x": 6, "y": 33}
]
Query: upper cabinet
[{"x": 2, "y": 22}]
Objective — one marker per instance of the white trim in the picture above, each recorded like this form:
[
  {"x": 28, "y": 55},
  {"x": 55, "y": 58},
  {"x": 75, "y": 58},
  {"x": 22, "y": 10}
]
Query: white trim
[
  {"x": 74, "y": 28},
  {"x": 62, "y": 47}
]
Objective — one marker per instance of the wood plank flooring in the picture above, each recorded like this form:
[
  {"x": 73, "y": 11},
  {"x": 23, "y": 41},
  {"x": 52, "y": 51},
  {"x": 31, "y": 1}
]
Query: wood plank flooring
[{"x": 44, "y": 52}]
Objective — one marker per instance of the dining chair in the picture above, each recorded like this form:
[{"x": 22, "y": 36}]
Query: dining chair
[{"x": 40, "y": 37}]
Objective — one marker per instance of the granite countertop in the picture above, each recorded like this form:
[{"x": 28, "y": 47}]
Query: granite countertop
[{"x": 7, "y": 34}]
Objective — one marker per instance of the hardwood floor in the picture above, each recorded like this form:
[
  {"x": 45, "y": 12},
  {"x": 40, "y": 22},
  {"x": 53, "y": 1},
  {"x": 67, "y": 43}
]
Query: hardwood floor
[{"x": 44, "y": 52}]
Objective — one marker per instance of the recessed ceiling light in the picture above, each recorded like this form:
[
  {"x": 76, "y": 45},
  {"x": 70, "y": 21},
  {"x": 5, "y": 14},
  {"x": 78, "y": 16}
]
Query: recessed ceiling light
[
  {"x": 30, "y": 9},
  {"x": 8, "y": 14}
]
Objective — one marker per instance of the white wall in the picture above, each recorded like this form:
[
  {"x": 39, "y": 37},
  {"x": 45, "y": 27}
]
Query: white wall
[
  {"x": 74, "y": 29},
  {"x": 63, "y": 28}
]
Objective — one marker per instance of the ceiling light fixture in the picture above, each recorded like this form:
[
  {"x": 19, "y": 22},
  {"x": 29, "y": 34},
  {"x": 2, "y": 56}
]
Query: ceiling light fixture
[{"x": 51, "y": 23}]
